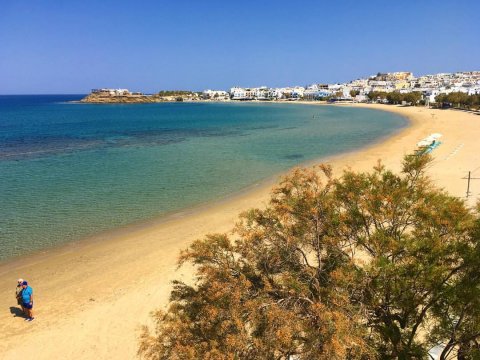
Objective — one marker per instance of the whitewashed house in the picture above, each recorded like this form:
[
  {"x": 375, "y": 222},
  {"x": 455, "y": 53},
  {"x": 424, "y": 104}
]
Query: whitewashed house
[
  {"x": 215, "y": 95},
  {"x": 238, "y": 93},
  {"x": 261, "y": 93}
]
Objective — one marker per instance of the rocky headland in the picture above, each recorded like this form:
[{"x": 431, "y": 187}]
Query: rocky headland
[{"x": 123, "y": 96}]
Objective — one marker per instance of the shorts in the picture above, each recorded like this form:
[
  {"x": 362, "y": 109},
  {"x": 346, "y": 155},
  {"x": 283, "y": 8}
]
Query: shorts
[{"x": 27, "y": 305}]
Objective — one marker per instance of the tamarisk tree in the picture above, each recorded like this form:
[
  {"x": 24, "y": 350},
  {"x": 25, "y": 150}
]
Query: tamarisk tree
[{"x": 371, "y": 265}]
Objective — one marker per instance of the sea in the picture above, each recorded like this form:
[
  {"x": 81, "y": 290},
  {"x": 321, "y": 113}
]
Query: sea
[{"x": 69, "y": 170}]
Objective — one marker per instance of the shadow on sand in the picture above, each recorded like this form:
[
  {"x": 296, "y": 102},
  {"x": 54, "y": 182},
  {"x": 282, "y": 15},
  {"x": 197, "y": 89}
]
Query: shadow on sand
[{"x": 16, "y": 312}]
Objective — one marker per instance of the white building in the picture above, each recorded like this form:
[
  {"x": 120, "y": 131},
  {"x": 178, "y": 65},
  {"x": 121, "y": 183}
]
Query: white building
[
  {"x": 261, "y": 93},
  {"x": 215, "y": 95},
  {"x": 111, "y": 92},
  {"x": 474, "y": 90},
  {"x": 314, "y": 92},
  {"x": 297, "y": 92},
  {"x": 275, "y": 93},
  {"x": 238, "y": 93}
]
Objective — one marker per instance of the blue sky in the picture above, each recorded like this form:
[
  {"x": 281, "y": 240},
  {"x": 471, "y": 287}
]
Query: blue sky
[{"x": 49, "y": 46}]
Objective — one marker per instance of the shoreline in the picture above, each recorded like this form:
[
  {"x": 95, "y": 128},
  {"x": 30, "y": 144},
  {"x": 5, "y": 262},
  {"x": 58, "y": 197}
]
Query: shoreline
[
  {"x": 109, "y": 280},
  {"x": 34, "y": 256}
]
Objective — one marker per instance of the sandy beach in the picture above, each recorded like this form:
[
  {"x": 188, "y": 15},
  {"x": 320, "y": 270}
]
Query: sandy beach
[{"x": 92, "y": 296}]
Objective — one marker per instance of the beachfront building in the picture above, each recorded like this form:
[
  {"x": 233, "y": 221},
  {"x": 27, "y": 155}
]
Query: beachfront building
[
  {"x": 430, "y": 95},
  {"x": 360, "y": 98},
  {"x": 316, "y": 92},
  {"x": 279, "y": 93},
  {"x": 297, "y": 92},
  {"x": 238, "y": 93},
  {"x": 261, "y": 93},
  {"x": 404, "y": 82},
  {"x": 275, "y": 93},
  {"x": 340, "y": 91},
  {"x": 215, "y": 95},
  {"x": 291, "y": 93},
  {"x": 250, "y": 93},
  {"x": 265, "y": 93}
]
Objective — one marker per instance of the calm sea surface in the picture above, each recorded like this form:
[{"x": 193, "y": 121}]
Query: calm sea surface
[{"x": 71, "y": 170}]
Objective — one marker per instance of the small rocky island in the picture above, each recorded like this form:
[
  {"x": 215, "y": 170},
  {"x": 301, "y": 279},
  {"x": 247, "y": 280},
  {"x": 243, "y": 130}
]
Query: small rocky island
[{"x": 124, "y": 96}]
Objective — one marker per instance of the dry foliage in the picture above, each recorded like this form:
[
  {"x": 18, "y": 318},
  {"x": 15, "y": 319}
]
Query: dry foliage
[{"x": 350, "y": 268}]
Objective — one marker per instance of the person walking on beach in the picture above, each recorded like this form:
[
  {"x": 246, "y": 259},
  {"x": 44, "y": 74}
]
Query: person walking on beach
[
  {"x": 27, "y": 298},
  {"x": 18, "y": 293}
]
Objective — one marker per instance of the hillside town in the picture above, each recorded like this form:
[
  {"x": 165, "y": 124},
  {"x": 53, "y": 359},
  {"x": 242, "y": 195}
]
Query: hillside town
[
  {"x": 357, "y": 90},
  {"x": 382, "y": 87}
]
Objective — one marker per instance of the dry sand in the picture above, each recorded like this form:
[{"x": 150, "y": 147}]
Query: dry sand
[{"x": 92, "y": 296}]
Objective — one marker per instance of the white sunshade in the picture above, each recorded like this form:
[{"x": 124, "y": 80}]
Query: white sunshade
[
  {"x": 429, "y": 139},
  {"x": 424, "y": 142}
]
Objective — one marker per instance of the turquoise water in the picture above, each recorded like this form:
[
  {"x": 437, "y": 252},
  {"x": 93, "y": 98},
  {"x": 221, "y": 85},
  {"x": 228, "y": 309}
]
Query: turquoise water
[{"x": 68, "y": 171}]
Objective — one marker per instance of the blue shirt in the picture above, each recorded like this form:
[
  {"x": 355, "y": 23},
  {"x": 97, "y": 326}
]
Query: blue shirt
[{"x": 27, "y": 295}]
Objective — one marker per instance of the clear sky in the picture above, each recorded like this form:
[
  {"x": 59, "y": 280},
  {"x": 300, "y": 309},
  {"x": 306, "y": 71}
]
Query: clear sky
[{"x": 54, "y": 46}]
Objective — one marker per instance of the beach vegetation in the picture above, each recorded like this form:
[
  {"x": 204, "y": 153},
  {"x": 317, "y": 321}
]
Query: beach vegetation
[
  {"x": 368, "y": 265},
  {"x": 354, "y": 93},
  {"x": 412, "y": 97},
  {"x": 377, "y": 95},
  {"x": 459, "y": 100},
  {"x": 396, "y": 97}
]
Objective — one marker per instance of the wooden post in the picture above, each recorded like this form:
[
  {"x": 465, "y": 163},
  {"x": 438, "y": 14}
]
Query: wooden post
[
  {"x": 468, "y": 184},
  {"x": 469, "y": 178}
]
